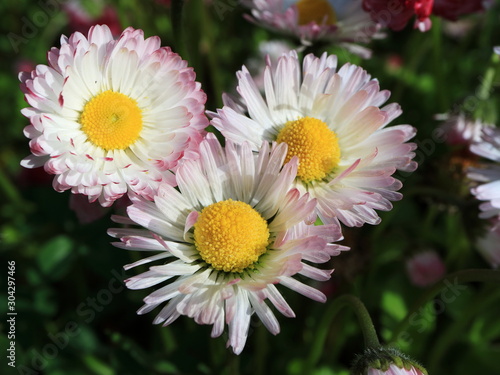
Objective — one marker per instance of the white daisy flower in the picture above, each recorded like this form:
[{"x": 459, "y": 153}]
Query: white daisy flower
[
  {"x": 332, "y": 121},
  {"x": 489, "y": 176},
  {"x": 334, "y": 21},
  {"x": 232, "y": 232},
  {"x": 109, "y": 115}
]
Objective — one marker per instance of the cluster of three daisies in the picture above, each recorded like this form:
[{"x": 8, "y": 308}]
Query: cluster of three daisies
[{"x": 126, "y": 116}]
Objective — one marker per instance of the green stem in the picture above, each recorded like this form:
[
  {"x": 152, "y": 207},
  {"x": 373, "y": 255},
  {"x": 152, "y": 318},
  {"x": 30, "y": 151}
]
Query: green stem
[
  {"x": 176, "y": 16},
  {"x": 486, "y": 109},
  {"x": 168, "y": 340},
  {"x": 438, "y": 65},
  {"x": 209, "y": 53},
  {"x": 485, "y": 89},
  {"x": 420, "y": 42},
  {"x": 364, "y": 319},
  {"x": 457, "y": 278}
]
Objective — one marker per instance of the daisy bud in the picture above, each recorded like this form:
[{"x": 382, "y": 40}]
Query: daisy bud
[
  {"x": 425, "y": 268},
  {"x": 388, "y": 361}
]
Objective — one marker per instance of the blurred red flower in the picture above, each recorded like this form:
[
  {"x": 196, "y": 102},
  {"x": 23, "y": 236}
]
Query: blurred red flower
[
  {"x": 452, "y": 9},
  {"x": 395, "y": 14}
]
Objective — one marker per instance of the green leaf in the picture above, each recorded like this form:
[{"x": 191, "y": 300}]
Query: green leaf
[
  {"x": 329, "y": 371},
  {"x": 55, "y": 257},
  {"x": 97, "y": 366},
  {"x": 394, "y": 305},
  {"x": 165, "y": 367}
]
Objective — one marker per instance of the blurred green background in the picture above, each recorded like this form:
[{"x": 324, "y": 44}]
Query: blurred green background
[{"x": 76, "y": 317}]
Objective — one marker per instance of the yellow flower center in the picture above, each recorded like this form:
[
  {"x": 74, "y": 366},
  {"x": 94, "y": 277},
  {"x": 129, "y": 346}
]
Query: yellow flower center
[
  {"x": 111, "y": 120},
  {"x": 316, "y": 11},
  {"x": 314, "y": 143},
  {"x": 230, "y": 235}
]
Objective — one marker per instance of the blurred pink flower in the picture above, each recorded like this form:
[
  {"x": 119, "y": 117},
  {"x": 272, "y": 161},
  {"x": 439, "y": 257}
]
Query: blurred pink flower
[
  {"x": 425, "y": 268},
  {"x": 80, "y": 20},
  {"x": 333, "y": 21},
  {"x": 394, "y": 62},
  {"x": 460, "y": 130},
  {"x": 24, "y": 65}
]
